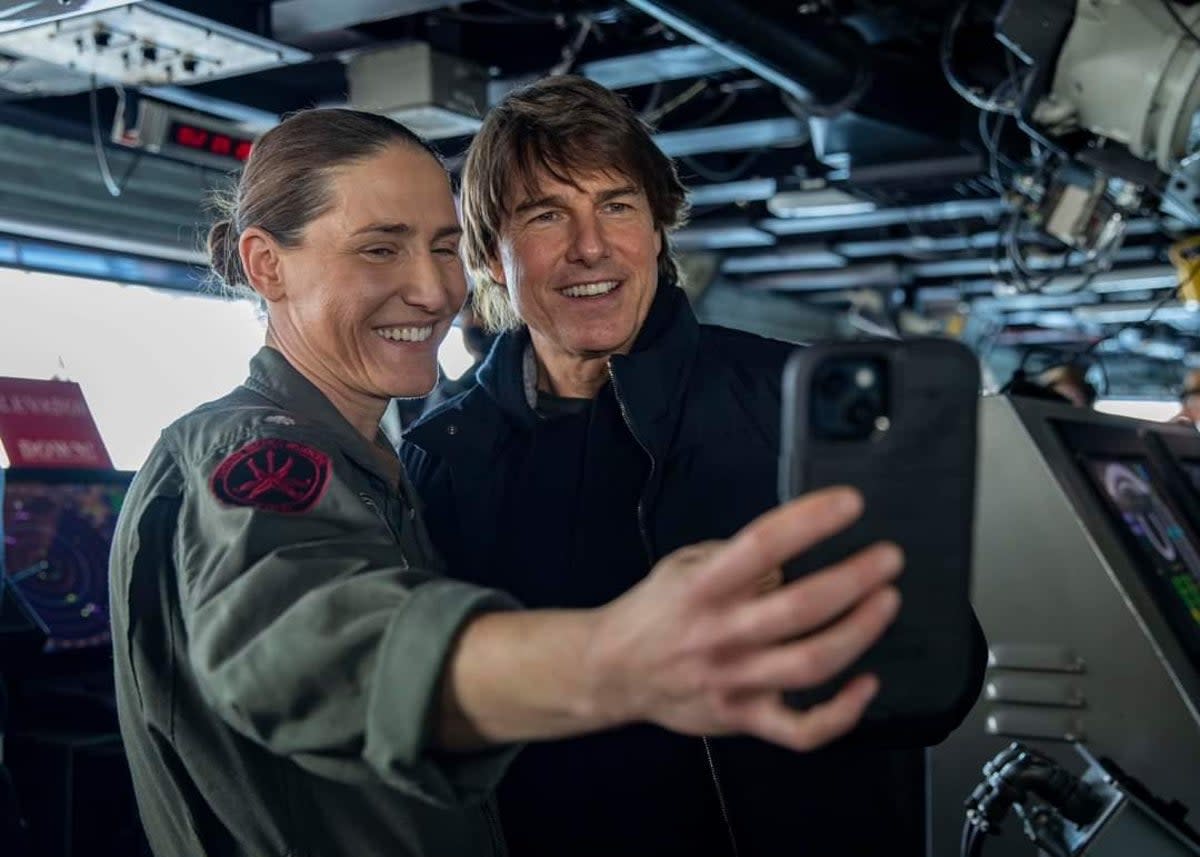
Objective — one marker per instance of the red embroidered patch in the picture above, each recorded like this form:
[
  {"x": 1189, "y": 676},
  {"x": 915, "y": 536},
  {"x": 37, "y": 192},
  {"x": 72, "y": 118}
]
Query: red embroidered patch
[{"x": 272, "y": 474}]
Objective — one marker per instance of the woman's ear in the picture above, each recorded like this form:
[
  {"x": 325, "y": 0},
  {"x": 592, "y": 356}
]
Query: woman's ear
[{"x": 259, "y": 252}]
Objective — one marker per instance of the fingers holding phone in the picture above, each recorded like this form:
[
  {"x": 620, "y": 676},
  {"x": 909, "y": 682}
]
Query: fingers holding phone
[{"x": 700, "y": 647}]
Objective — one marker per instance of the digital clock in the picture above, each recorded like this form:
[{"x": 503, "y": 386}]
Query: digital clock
[
  {"x": 214, "y": 142},
  {"x": 183, "y": 134}
]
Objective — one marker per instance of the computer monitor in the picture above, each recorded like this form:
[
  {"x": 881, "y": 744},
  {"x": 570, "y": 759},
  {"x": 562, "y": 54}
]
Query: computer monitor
[
  {"x": 58, "y": 528},
  {"x": 1121, "y": 465}
]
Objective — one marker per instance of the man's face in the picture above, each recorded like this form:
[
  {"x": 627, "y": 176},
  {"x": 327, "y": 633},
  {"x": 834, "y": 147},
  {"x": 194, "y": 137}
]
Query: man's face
[
  {"x": 376, "y": 281},
  {"x": 580, "y": 263},
  {"x": 1191, "y": 407}
]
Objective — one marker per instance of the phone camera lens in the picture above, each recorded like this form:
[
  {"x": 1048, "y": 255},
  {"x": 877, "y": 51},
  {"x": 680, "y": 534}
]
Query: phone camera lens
[
  {"x": 862, "y": 412},
  {"x": 834, "y": 384}
]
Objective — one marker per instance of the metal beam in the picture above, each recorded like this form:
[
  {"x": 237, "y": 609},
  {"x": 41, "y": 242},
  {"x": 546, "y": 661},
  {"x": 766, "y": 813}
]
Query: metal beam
[
  {"x": 759, "y": 134},
  {"x": 251, "y": 118},
  {"x": 295, "y": 19},
  {"x": 674, "y": 63},
  {"x": 1135, "y": 311},
  {"x": 812, "y": 61},
  {"x": 988, "y": 209},
  {"x": 81, "y": 238},
  {"x": 812, "y": 258},
  {"x": 680, "y": 62},
  {"x": 748, "y": 190},
  {"x": 872, "y": 275},
  {"x": 720, "y": 236}
]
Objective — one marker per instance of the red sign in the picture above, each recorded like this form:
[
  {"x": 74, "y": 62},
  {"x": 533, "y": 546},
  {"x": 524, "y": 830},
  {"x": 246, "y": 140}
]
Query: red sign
[{"x": 48, "y": 424}]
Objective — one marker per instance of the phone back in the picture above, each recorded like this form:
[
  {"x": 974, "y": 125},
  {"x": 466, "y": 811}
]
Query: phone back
[{"x": 916, "y": 472}]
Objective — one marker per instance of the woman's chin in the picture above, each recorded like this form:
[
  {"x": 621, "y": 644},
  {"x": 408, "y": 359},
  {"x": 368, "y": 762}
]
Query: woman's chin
[{"x": 414, "y": 388}]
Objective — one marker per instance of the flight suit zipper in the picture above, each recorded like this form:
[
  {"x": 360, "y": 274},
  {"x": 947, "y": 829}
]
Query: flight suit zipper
[{"x": 641, "y": 521}]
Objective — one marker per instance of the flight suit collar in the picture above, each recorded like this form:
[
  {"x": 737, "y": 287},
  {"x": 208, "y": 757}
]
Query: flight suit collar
[{"x": 272, "y": 376}]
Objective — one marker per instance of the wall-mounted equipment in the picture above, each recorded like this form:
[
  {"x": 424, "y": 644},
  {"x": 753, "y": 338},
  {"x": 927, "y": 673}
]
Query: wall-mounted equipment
[
  {"x": 181, "y": 134},
  {"x": 436, "y": 95},
  {"x": 140, "y": 43}
]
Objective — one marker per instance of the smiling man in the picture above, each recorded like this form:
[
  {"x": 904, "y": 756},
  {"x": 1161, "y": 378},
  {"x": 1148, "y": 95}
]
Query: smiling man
[{"x": 607, "y": 429}]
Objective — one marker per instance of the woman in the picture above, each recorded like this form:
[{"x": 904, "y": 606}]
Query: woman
[{"x": 294, "y": 677}]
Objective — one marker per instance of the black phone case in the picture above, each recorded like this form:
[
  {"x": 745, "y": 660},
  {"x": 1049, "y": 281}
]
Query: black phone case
[{"x": 918, "y": 482}]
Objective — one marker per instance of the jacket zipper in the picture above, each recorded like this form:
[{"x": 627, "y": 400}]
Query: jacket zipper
[
  {"x": 499, "y": 847},
  {"x": 641, "y": 520}
]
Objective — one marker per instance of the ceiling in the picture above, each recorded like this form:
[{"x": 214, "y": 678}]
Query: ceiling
[{"x": 772, "y": 109}]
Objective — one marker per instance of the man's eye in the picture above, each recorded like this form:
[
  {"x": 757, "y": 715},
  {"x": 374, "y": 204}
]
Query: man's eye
[
  {"x": 617, "y": 207},
  {"x": 446, "y": 251},
  {"x": 380, "y": 252}
]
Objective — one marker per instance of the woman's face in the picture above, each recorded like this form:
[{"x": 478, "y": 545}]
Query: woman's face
[{"x": 369, "y": 293}]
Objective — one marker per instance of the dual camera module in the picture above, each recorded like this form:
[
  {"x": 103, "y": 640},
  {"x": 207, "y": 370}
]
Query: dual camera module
[{"x": 849, "y": 399}]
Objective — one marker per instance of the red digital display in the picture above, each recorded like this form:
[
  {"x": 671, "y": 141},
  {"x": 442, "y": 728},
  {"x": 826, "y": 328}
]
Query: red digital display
[{"x": 202, "y": 140}]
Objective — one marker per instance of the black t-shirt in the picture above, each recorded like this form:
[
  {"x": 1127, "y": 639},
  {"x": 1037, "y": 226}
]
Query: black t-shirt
[{"x": 570, "y": 528}]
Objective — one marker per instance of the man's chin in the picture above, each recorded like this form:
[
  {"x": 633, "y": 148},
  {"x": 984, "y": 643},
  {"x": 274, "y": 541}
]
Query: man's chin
[{"x": 597, "y": 347}]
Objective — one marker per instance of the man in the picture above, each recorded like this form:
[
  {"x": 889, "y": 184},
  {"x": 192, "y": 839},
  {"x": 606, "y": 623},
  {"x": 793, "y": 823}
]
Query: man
[
  {"x": 607, "y": 429},
  {"x": 1068, "y": 381},
  {"x": 1062, "y": 382},
  {"x": 1189, "y": 400}
]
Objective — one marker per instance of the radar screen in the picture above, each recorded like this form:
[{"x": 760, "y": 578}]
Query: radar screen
[{"x": 57, "y": 538}]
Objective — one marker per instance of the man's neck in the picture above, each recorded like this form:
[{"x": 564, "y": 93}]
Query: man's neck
[{"x": 570, "y": 376}]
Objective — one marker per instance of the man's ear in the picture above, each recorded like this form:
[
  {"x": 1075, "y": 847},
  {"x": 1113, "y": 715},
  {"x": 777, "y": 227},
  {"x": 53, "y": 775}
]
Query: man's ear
[
  {"x": 259, "y": 252},
  {"x": 496, "y": 271}
]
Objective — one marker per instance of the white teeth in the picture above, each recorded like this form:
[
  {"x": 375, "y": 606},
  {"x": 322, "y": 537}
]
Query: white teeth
[
  {"x": 590, "y": 289},
  {"x": 405, "y": 334}
]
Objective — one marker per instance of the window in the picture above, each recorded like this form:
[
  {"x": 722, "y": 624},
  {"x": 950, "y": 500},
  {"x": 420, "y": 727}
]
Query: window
[
  {"x": 1156, "y": 410},
  {"x": 142, "y": 356}
]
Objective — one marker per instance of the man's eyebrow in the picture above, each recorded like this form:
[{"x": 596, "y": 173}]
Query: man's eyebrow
[
  {"x": 540, "y": 202},
  {"x": 603, "y": 196},
  {"x": 613, "y": 193},
  {"x": 452, "y": 231}
]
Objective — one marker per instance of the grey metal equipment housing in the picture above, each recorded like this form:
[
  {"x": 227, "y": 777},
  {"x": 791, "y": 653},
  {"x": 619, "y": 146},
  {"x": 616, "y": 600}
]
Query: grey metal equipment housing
[{"x": 1085, "y": 643}]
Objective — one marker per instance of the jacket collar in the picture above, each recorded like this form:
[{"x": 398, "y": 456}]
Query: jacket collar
[
  {"x": 649, "y": 381},
  {"x": 274, "y": 378}
]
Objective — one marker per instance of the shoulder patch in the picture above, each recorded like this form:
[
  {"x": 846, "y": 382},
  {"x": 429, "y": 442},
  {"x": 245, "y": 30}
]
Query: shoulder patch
[{"x": 272, "y": 474}]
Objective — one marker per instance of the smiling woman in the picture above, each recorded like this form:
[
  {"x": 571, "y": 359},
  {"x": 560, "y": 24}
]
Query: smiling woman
[
  {"x": 280, "y": 508},
  {"x": 358, "y": 270}
]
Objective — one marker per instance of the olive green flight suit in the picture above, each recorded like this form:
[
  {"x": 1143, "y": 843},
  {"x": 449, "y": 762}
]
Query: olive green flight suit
[{"x": 280, "y": 627}]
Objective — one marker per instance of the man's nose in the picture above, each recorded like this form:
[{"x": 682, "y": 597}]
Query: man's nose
[{"x": 589, "y": 244}]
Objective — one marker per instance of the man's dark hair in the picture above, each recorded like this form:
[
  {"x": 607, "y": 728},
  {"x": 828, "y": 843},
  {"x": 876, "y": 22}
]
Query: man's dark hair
[{"x": 567, "y": 126}]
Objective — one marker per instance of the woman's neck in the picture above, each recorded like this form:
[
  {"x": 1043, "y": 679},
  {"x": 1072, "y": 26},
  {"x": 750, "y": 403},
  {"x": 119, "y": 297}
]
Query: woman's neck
[{"x": 362, "y": 411}]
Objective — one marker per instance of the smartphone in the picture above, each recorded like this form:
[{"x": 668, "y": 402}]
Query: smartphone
[{"x": 897, "y": 421}]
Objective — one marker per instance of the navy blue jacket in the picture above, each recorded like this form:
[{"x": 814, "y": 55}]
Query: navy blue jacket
[{"x": 704, "y": 402}]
